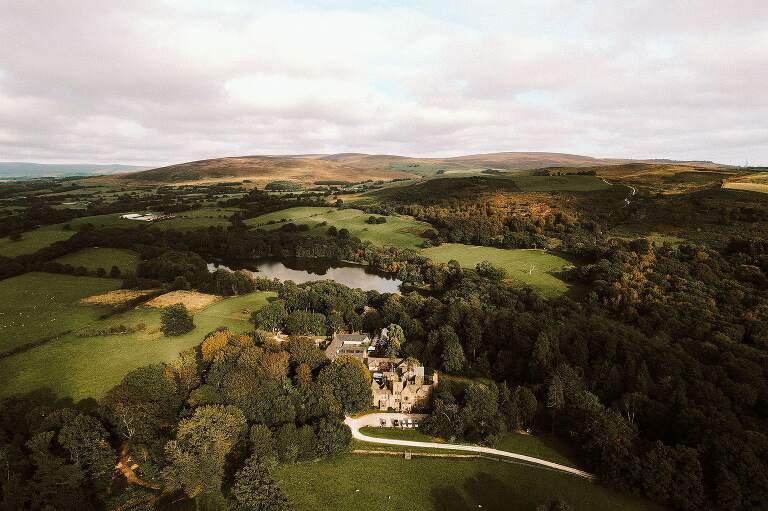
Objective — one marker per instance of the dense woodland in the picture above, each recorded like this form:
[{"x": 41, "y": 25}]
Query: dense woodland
[
  {"x": 217, "y": 417},
  {"x": 656, "y": 370}
]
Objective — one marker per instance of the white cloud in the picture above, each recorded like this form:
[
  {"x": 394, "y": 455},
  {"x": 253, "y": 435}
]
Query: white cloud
[{"x": 149, "y": 82}]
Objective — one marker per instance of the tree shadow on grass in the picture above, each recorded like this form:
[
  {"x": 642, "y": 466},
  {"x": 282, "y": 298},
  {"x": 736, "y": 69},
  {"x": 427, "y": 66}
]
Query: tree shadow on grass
[
  {"x": 482, "y": 489},
  {"x": 447, "y": 498}
]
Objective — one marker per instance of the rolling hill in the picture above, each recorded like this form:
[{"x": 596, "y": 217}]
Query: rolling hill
[
  {"x": 356, "y": 167},
  {"x": 24, "y": 169}
]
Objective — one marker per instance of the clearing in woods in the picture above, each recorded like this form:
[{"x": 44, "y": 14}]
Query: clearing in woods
[
  {"x": 106, "y": 258},
  {"x": 533, "y": 267},
  {"x": 399, "y": 231}
]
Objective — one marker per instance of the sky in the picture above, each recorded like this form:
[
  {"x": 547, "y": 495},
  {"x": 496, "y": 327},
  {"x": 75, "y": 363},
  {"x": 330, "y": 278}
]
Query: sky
[{"x": 155, "y": 82}]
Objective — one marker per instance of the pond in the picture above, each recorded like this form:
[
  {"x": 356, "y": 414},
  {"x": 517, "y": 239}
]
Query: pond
[{"x": 301, "y": 270}]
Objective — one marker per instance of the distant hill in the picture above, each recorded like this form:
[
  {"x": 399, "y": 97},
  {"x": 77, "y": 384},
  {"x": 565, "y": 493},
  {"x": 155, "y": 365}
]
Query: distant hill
[
  {"x": 24, "y": 169},
  {"x": 355, "y": 167}
]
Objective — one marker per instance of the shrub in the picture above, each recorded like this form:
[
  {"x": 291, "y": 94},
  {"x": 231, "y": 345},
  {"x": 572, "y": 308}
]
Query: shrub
[{"x": 176, "y": 320}]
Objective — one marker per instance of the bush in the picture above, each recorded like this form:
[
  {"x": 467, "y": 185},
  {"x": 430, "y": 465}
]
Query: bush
[{"x": 176, "y": 320}]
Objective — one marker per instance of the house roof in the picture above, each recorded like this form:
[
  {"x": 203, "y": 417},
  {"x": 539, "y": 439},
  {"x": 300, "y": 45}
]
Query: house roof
[{"x": 355, "y": 338}]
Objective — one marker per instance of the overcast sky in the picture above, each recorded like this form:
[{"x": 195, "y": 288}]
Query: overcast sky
[{"x": 154, "y": 82}]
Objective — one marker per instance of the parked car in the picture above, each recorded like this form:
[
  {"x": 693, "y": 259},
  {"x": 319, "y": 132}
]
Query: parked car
[
  {"x": 383, "y": 423},
  {"x": 415, "y": 423},
  {"x": 395, "y": 423}
]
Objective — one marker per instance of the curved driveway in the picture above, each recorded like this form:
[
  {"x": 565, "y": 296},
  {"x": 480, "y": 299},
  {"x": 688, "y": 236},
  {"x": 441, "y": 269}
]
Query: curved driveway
[{"x": 373, "y": 420}]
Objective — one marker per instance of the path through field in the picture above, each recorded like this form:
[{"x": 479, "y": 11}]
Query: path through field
[{"x": 373, "y": 419}]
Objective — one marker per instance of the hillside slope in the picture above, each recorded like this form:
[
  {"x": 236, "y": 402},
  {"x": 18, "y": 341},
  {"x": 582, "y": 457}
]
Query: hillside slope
[{"x": 356, "y": 167}]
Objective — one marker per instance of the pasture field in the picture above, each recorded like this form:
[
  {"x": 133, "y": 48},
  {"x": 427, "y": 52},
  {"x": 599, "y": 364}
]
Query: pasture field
[
  {"x": 658, "y": 238},
  {"x": 394, "y": 483},
  {"x": 36, "y": 306},
  {"x": 81, "y": 366},
  {"x": 34, "y": 240},
  {"x": 399, "y": 231},
  {"x": 42, "y": 237},
  {"x": 94, "y": 258},
  {"x": 197, "y": 219},
  {"x": 517, "y": 262},
  {"x": 560, "y": 183}
]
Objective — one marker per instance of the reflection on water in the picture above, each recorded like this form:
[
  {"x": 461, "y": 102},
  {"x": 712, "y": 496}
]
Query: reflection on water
[{"x": 311, "y": 270}]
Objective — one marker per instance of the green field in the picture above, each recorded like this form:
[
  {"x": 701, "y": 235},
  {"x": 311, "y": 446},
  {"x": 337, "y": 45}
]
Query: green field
[
  {"x": 37, "y": 306},
  {"x": 398, "y": 231},
  {"x": 657, "y": 238},
  {"x": 393, "y": 483},
  {"x": 82, "y": 367},
  {"x": 39, "y": 238},
  {"x": 544, "y": 447},
  {"x": 94, "y": 258},
  {"x": 32, "y": 241},
  {"x": 532, "y": 267},
  {"x": 560, "y": 183},
  {"x": 197, "y": 219}
]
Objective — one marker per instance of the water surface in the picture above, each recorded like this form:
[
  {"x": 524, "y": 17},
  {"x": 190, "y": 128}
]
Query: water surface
[{"x": 301, "y": 270}]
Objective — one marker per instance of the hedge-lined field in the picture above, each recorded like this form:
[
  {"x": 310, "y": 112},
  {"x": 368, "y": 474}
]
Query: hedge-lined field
[
  {"x": 37, "y": 306},
  {"x": 88, "y": 366}
]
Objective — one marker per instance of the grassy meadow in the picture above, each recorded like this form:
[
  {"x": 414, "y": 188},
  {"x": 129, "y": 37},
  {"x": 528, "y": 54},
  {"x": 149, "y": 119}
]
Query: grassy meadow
[
  {"x": 36, "y": 239},
  {"x": 560, "y": 183},
  {"x": 37, "y": 306},
  {"x": 394, "y": 483},
  {"x": 399, "y": 231},
  {"x": 545, "y": 447},
  {"x": 94, "y": 258},
  {"x": 517, "y": 262},
  {"x": 87, "y": 366},
  {"x": 197, "y": 219}
]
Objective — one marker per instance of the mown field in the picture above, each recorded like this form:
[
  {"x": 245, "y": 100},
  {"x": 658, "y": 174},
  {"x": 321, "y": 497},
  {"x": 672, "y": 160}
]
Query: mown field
[
  {"x": 397, "y": 231},
  {"x": 440, "y": 484},
  {"x": 517, "y": 262},
  {"x": 94, "y": 258},
  {"x": 37, "y": 306},
  {"x": 82, "y": 367}
]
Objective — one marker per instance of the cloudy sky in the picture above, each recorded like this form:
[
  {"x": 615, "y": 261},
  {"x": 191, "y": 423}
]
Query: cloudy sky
[{"x": 153, "y": 82}]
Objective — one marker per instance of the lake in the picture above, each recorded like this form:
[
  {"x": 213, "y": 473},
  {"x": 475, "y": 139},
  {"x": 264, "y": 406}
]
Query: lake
[{"x": 301, "y": 270}]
